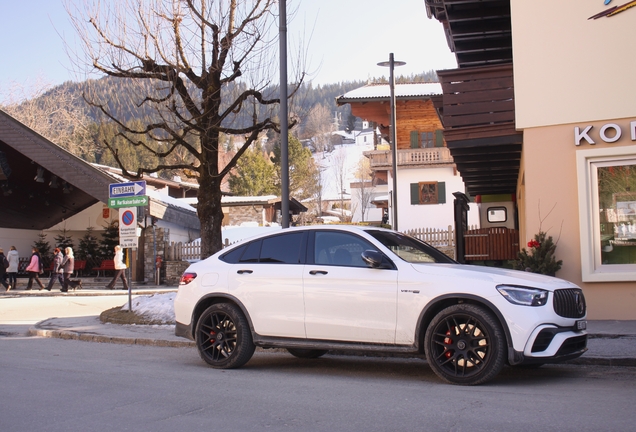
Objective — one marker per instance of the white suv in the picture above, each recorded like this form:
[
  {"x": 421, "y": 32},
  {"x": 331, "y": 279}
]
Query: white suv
[{"x": 314, "y": 289}]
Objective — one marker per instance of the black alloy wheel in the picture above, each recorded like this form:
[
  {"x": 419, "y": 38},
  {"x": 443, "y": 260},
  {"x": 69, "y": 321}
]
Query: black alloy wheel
[
  {"x": 223, "y": 337},
  {"x": 306, "y": 353},
  {"x": 465, "y": 345}
]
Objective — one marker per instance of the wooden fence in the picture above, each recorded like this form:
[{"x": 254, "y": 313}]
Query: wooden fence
[{"x": 492, "y": 244}]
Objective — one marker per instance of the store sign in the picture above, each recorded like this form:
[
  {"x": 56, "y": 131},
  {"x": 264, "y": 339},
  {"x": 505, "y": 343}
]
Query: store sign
[{"x": 609, "y": 133}]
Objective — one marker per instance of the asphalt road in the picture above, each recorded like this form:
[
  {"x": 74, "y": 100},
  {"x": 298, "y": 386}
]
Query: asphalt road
[{"x": 61, "y": 385}]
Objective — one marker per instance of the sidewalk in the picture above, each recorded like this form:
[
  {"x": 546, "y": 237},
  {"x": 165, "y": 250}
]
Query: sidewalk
[{"x": 611, "y": 343}]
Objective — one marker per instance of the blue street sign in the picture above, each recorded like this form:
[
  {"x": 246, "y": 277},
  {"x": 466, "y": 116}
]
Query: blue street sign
[{"x": 129, "y": 189}]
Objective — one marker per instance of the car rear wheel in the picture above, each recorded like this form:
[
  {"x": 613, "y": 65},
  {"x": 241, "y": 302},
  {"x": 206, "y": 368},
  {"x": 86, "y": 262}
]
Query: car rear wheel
[
  {"x": 223, "y": 337},
  {"x": 465, "y": 345},
  {"x": 306, "y": 353}
]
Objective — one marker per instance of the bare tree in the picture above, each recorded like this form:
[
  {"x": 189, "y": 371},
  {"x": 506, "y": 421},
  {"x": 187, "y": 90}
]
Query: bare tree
[
  {"x": 363, "y": 191},
  {"x": 55, "y": 113},
  {"x": 202, "y": 68},
  {"x": 318, "y": 127},
  {"x": 340, "y": 173}
]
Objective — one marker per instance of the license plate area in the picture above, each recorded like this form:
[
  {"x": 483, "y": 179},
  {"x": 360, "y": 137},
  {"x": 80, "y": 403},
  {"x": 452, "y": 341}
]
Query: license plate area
[{"x": 581, "y": 325}]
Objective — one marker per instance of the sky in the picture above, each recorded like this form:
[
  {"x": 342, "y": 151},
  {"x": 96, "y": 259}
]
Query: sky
[{"x": 346, "y": 40}]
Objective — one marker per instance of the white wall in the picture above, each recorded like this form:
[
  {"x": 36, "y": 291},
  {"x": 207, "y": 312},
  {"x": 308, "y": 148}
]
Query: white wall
[
  {"x": 438, "y": 216},
  {"x": 568, "y": 68},
  {"x": 22, "y": 240}
]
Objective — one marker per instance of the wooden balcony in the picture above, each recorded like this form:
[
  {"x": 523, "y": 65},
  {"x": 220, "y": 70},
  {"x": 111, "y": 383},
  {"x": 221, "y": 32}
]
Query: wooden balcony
[{"x": 411, "y": 158}]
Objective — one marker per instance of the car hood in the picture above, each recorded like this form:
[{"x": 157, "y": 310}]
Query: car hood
[{"x": 494, "y": 275}]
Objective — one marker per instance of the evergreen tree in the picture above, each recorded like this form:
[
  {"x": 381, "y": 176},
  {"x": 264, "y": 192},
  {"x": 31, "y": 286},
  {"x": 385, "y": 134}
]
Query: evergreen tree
[
  {"x": 253, "y": 175},
  {"x": 44, "y": 248},
  {"x": 64, "y": 239},
  {"x": 88, "y": 248},
  {"x": 539, "y": 258},
  {"x": 110, "y": 239},
  {"x": 304, "y": 178}
]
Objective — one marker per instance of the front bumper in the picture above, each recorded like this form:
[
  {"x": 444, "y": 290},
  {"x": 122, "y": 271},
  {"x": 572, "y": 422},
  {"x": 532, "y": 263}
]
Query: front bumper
[{"x": 553, "y": 344}]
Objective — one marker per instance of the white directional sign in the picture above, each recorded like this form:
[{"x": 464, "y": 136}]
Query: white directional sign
[{"x": 118, "y": 190}]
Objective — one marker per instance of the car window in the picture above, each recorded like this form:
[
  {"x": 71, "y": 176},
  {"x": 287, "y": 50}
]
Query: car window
[
  {"x": 284, "y": 249},
  {"x": 252, "y": 252},
  {"x": 340, "y": 249},
  {"x": 233, "y": 256},
  {"x": 410, "y": 249}
]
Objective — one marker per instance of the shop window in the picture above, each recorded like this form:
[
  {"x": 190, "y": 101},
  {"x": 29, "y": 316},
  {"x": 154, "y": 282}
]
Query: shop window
[
  {"x": 607, "y": 200},
  {"x": 428, "y": 193}
]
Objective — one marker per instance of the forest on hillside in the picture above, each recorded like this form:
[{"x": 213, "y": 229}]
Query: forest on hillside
[{"x": 61, "y": 114}]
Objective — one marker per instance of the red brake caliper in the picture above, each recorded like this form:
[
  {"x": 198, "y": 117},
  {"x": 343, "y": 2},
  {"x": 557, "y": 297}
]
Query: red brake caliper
[{"x": 448, "y": 341}]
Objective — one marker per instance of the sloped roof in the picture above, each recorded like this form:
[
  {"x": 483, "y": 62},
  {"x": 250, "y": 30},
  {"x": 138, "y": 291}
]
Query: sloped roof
[{"x": 376, "y": 92}]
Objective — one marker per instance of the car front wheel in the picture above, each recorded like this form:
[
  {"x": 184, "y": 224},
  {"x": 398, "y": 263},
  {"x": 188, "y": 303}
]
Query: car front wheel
[
  {"x": 223, "y": 337},
  {"x": 465, "y": 345}
]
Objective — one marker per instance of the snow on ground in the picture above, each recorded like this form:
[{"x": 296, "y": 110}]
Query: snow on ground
[{"x": 158, "y": 307}]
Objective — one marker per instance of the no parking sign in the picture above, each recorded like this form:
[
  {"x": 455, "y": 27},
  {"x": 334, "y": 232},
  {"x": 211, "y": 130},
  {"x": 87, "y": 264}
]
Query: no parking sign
[{"x": 128, "y": 227}]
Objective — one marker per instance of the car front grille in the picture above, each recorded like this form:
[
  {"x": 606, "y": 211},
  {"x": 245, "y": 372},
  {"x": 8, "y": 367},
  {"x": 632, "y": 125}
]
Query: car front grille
[
  {"x": 569, "y": 303},
  {"x": 573, "y": 345}
]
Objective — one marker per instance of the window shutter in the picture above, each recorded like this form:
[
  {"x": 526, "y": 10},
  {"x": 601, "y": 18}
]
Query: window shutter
[
  {"x": 415, "y": 142},
  {"x": 415, "y": 193},
  {"x": 439, "y": 138},
  {"x": 441, "y": 192}
]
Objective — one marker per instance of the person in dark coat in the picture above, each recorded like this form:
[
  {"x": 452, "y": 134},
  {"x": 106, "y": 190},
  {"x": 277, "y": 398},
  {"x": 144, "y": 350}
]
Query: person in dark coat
[
  {"x": 58, "y": 270},
  {"x": 3, "y": 270}
]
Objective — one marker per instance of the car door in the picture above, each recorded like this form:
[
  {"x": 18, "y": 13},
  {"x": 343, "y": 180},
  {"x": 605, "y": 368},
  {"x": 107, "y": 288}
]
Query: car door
[
  {"x": 267, "y": 279},
  {"x": 344, "y": 298}
]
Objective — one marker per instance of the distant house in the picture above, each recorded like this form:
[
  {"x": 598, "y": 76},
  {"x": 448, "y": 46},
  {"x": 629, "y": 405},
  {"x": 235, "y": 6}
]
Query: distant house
[{"x": 426, "y": 173}]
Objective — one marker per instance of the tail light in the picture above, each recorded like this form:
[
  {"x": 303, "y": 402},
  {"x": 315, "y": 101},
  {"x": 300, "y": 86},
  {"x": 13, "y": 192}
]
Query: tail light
[{"x": 187, "y": 278}]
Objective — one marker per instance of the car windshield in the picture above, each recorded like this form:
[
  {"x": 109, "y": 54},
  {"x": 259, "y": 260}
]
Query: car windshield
[{"x": 410, "y": 249}]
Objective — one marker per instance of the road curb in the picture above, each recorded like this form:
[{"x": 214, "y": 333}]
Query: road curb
[{"x": 91, "y": 337}]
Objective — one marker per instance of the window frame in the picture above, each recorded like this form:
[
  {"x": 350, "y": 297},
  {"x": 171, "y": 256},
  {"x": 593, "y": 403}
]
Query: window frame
[{"x": 587, "y": 162}]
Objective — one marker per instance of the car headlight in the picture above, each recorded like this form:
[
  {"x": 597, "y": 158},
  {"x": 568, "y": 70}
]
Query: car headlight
[{"x": 524, "y": 296}]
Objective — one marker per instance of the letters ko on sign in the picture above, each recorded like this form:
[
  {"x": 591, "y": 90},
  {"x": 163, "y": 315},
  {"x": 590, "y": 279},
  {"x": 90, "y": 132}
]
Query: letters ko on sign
[{"x": 609, "y": 133}]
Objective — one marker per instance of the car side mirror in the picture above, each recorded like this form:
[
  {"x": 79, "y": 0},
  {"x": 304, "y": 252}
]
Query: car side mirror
[{"x": 374, "y": 259}]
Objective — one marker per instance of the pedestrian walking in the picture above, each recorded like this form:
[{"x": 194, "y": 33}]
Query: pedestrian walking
[
  {"x": 68, "y": 266},
  {"x": 120, "y": 268},
  {"x": 14, "y": 263},
  {"x": 34, "y": 269},
  {"x": 58, "y": 270},
  {"x": 4, "y": 265}
]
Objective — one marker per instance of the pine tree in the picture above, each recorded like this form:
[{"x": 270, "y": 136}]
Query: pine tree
[
  {"x": 110, "y": 239},
  {"x": 89, "y": 248},
  {"x": 253, "y": 175},
  {"x": 64, "y": 239},
  {"x": 539, "y": 258},
  {"x": 44, "y": 247}
]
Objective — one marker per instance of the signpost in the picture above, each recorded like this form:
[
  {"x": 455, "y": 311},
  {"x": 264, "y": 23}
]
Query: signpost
[{"x": 127, "y": 197}]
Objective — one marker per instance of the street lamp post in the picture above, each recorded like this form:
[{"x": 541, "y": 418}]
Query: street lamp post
[{"x": 391, "y": 64}]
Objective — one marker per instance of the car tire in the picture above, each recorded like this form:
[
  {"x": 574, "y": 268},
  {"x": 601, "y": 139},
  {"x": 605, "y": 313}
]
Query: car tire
[
  {"x": 465, "y": 345},
  {"x": 306, "y": 353},
  {"x": 223, "y": 337}
]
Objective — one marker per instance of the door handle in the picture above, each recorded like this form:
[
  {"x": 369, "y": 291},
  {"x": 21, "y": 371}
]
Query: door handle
[
  {"x": 244, "y": 271},
  {"x": 317, "y": 272}
]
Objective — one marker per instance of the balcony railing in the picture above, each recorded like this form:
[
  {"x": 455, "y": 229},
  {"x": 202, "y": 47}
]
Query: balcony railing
[{"x": 413, "y": 158}]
